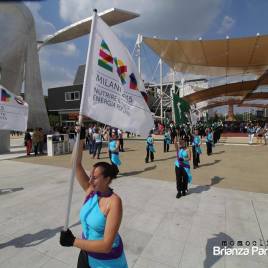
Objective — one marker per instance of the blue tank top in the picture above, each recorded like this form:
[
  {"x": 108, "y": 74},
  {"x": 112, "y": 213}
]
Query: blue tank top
[
  {"x": 197, "y": 140},
  {"x": 182, "y": 154},
  {"x": 150, "y": 140},
  {"x": 150, "y": 144},
  {"x": 93, "y": 223},
  {"x": 209, "y": 137},
  {"x": 167, "y": 137},
  {"x": 114, "y": 154},
  {"x": 112, "y": 145}
]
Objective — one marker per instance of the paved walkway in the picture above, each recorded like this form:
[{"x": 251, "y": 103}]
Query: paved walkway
[
  {"x": 239, "y": 167},
  {"x": 158, "y": 230}
]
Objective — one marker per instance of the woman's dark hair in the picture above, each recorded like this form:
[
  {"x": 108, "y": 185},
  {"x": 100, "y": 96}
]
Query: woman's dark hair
[{"x": 108, "y": 170}]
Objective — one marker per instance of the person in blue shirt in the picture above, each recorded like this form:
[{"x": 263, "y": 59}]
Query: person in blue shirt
[
  {"x": 196, "y": 148},
  {"x": 209, "y": 141},
  {"x": 101, "y": 215},
  {"x": 182, "y": 168},
  {"x": 251, "y": 131},
  {"x": 150, "y": 148},
  {"x": 167, "y": 140},
  {"x": 114, "y": 151}
]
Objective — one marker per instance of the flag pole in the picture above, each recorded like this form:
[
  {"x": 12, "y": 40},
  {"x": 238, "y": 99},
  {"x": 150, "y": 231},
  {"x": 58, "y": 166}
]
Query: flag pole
[
  {"x": 172, "y": 92},
  {"x": 161, "y": 89},
  {"x": 77, "y": 143}
]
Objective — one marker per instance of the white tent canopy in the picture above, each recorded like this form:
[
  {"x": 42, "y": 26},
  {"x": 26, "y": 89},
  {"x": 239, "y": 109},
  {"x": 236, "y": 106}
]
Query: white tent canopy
[
  {"x": 111, "y": 17},
  {"x": 239, "y": 56}
]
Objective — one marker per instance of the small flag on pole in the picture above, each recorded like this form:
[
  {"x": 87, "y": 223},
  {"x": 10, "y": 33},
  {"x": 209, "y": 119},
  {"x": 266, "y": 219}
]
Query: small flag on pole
[{"x": 181, "y": 110}]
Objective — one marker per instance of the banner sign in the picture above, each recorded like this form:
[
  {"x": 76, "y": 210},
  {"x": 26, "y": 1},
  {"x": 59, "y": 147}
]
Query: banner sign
[
  {"x": 113, "y": 92},
  {"x": 13, "y": 111}
]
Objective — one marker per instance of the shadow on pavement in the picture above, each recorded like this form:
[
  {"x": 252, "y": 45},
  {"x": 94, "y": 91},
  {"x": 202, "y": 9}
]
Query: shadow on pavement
[
  {"x": 128, "y": 150},
  {"x": 220, "y": 152},
  {"x": 216, "y": 241},
  {"x": 31, "y": 240},
  {"x": 198, "y": 189},
  {"x": 216, "y": 180},
  {"x": 210, "y": 164},
  {"x": 10, "y": 190},
  {"x": 202, "y": 188},
  {"x": 136, "y": 172},
  {"x": 163, "y": 159}
]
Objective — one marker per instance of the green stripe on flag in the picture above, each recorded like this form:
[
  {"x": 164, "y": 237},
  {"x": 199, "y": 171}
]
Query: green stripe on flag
[
  {"x": 105, "y": 46},
  {"x": 104, "y": 65}
]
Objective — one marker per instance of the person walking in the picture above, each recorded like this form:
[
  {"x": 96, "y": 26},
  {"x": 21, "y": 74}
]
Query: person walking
[
  {"x": 259, "y": 133},
  {"x": 35, "y": 141},
  {"x": 182, "y": 168},
  {"x": 173, "y": 131},
  {"x": 121, "y": 140},
  {"x": 100, "y": 216},
  {"x": 149, "y": 148},
  {"x": 251, "y": 132},
  {"x": 41, "y": 141},
  {"x": 196, "y": 148},
  {"x": 265, "y": 135},
  {"x": 97, "y": 140},
  {"x": 209, "y": 141},
  {"x": 28, "y": 142},
  {"x": 114, "y": 151},
  {"x": 167, "y": 140},
  {"x": 90, "y": 140}
]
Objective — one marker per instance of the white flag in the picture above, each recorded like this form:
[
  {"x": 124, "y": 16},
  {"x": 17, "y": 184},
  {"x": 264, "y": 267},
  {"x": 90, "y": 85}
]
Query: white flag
[
  {"x": 13, "y": 111},
  {"x": 113, "y": 92},
  {"x": 194, "y": 116}
]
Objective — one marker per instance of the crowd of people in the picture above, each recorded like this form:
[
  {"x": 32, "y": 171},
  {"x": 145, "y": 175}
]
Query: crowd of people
[
  {"x": 35, "y": 141},
  {"x": 184, "y": 136},
  {"x": 258, "y": 130}
]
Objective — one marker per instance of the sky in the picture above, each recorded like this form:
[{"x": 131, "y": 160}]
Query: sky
[{"x": 185, "y": 19}]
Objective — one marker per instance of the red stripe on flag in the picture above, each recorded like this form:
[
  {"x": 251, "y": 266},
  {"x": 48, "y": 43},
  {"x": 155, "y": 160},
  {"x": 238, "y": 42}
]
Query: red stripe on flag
[
  {"x": 106, "y": 56},
  {"x": 123, "y": 69},
  {"x": 133, "y": 86}
]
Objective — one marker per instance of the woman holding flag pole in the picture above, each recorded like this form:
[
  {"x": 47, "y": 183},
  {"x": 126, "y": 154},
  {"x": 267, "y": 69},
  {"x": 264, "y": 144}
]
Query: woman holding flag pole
[{"x": 100, "y": 215}]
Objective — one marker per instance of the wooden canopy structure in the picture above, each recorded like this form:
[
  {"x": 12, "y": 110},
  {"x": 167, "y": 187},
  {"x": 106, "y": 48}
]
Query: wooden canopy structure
[
  {"x": 226, "y": 57},
  {"x": 244, "y": 89}
]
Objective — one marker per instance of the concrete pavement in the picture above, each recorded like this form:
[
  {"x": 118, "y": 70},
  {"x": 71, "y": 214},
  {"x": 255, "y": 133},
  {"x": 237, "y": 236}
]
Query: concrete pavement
[
  {"x": 238, "y": 167},
  {"x": 158, "y": 230}
]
